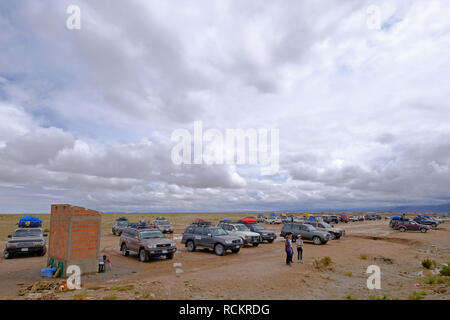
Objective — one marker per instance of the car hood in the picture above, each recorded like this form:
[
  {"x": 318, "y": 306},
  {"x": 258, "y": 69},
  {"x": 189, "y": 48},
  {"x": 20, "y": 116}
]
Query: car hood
[
  {"x": 26, "y": 238},
  {"x": 334, "y": 230},
  {"x": 158, "y": 241},
  {"x": 227, "y": 238},
  {"x": 249, "y": 233}
]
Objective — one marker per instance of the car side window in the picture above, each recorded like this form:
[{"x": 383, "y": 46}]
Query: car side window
[
  {"x": 190, "y": 230},
  {"x": 304, "y": 228}
]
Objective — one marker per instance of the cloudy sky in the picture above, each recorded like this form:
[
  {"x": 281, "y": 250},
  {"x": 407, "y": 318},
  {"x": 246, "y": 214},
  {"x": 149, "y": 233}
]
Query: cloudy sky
[{"x": 86, "y": 116}]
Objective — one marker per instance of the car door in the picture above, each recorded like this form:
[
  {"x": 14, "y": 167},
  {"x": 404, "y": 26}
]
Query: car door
[
  {"x": 198, "y": 236},
  {"x": 305, "y": 232},
  {"x": 133, "y": 241}
]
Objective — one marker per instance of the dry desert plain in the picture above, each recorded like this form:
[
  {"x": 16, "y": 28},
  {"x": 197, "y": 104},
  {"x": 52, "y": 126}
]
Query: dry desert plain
[{"x": 255, "y": 272}]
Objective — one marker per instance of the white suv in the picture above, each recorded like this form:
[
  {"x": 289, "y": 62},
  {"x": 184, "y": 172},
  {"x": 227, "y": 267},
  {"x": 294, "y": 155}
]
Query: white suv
[{"x": 240, "y": 230}]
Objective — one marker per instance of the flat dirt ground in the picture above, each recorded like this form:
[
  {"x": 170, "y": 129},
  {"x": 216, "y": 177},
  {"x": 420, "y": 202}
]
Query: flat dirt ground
[{"x": 254, "y": 273}]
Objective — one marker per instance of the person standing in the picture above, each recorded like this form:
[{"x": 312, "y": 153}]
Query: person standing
[
  {"x": 288, "y": 248},
  {"x": 300, "y": 248}
]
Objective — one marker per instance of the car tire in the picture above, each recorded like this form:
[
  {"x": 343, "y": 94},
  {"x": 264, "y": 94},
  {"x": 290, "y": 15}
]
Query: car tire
[
  {"x": 316, "y": 240},
  {"x": 124, "y": 250},
  {"x": 423, "y": 230},
  {"x": 7, "y": 254},
  {"x": 235, "y": 250},
  {"x": 190, "y": 246},
  {"x": 332, "y": 236},
  {"x": 255, "y": 244},
  {"x": 270, "y": 241},
  {"x": 434, "y": 225},
  {"x": 402, "y": 229},
  {"x": 219, "y": 249},
  {"x": 143, "y": 255},
  {"x": 42, "y": 253},
  {"x": 170, "y": 256}
]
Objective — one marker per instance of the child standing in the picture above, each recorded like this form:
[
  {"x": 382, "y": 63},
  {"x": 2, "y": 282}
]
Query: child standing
[{"x": 300, "y": 248}]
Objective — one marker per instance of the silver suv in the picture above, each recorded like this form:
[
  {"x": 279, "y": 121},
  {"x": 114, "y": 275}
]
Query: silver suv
[
  {"x": 241, "y": 231},
  {"x": 26, "y": 240},
  {"x": 146, "y": 242}
]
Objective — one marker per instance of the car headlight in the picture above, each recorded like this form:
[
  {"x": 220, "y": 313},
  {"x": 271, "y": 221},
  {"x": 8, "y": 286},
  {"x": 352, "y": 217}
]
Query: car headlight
[
  {"x": 228, "y": 241},
  {"x": 246, "y": 237},
  {"x": 152, "y": 245},
  {"x": 38, "y": 244},
  {"x": 11, "y": 245}
]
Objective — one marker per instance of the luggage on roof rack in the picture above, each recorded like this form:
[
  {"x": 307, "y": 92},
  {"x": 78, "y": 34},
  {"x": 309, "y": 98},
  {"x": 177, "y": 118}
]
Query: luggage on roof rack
[
  {"x": 30, "y": 222},
  {"x": 122, "y": 219}
]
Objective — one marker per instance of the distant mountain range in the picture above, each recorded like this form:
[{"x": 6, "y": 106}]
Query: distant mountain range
[{"x": 442, "y": 208}]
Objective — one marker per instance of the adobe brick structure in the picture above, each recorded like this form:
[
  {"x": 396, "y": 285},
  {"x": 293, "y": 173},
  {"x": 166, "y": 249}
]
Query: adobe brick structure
[{"x": 75, "y": 237}]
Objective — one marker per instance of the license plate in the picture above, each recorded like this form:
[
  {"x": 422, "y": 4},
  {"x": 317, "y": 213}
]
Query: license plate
[
  {"x": 164, "y": 251},
  {"x": 24, "y": 249},
  {"x": 237, "y": 247}
]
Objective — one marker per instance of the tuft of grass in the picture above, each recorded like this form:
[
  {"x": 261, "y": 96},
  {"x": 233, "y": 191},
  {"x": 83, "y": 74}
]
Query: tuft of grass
[
  {"x": 430, "y": 280},
  {"x": 363, "y": 256},
  {"x": 384, "y": 297},
  {"x": 110, "y": 298},
  {"x": 326, "y": 261},
  {"x": 349, "y": 297},
  {"x": 445, "y": 271},
  {"x": 349, "y": 274},
  {"x": 122, "y": 288},
  {"x": 417, "y": 295},
  {"x": 427, "y": 264}
]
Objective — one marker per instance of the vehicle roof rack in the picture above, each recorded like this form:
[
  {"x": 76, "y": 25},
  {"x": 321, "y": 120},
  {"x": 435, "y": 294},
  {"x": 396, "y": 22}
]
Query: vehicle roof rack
[{"x": 202, "y": 223}]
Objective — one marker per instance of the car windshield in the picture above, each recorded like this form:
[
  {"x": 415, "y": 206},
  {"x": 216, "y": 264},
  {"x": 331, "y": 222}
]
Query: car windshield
[
  {"x": 164, "y": 223},
  {"x": 258, "y": 227},
  {"x": 218, "y": 232},
  {"x": 151, "y": 234},
  {"x": 122, "y": 223},
  {"x": 311, "y": 228},
  {"x": 241, "y": 227},
  {"x": 326, "y": 225},
  {"x": 27, "y": 233}
]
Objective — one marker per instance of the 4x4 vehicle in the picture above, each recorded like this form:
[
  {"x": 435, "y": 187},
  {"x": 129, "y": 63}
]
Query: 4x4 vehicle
[
  {"x": 146, "y": 242},
  {"x": 266, "y": 235},
  {"x": 426, "y": 221},
  {"x": 334, "y": 219},
  {"x": 307, "y": 232},
  {"x": 335, "y": 233},
  {"x": 368, "y": 217},
  {"x": 119, "y": 225},
  {"x": 215, "y": 238},
  {"x": 344, "y": 219},
  {"x": 164, "y": 225},
  {"x": 26, "y": 240},
  {"x": 240, "y": 230},
  {"x": 273, "y": 220},
  {"x": 404, "y": 225},
  {"x": 261, "y": 218}
]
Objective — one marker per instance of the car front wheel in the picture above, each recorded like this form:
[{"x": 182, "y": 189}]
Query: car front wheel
[
  {"x": 402, "y": 229},
  {"x": 332, "y": 236},
  {"x": 7, "y": 254},
  {"x": 190, "y": 246},
  {"x": 124, "y": 250},
  {"x": 143, "y": 255},
  {"x": 270, "y": 241},
  {"x": 316, "y": 240},
  {"x": 169, "y": 256},
  {"x": 235, "y": 250},
  {"x": 255, "y": 244},
  {"x": 423, "y": 230},
  {"x": 218, "y": 249}
]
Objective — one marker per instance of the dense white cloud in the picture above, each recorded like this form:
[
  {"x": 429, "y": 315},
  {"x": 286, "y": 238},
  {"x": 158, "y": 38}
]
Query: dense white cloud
[{"x": 86, "y": 115}]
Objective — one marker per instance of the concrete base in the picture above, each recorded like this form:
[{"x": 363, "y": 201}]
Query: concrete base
[{"x": 87, "y": 266}]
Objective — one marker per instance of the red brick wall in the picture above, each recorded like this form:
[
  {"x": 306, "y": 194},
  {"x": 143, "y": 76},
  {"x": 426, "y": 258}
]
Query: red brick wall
[
  {"x": 83, "y": 233},
  {"x": 84, "y": 239}
]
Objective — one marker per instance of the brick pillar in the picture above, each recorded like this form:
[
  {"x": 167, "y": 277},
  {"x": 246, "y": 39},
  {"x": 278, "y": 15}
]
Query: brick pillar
[{"x": 75, "y": 237}]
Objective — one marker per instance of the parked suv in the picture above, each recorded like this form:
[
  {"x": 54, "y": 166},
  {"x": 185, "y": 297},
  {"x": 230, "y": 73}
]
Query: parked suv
[
  {"x": 146, "y": 242},
  {"x": 404, "y": 225},
  {"x": 273, "y": 220},
  {"x": 266, "y": 235},
  {"x": 119, "y": 225},
  {"x": 204, "y": 236},
  {"x": 307, "y": 232},
  {"x": 426, "y": 221},
  {"x": 26, "y": 240},
  {"x": 334, "y": 219},
  {"x": 261, "y": 218},
  {"x": 240, "y": 230},
  {"x": 335, "y": 233},
  {"x": 164, "y": 225},
  {"x": 344, "y": 219}
]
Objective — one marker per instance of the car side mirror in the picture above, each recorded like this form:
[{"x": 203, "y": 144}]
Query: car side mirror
[{"x": 9, "y": 236}]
